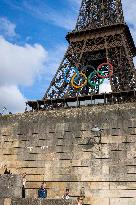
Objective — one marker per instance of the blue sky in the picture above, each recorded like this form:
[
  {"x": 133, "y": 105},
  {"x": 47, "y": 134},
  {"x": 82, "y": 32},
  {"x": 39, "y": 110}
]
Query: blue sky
[{"x": 32, "y": 45}]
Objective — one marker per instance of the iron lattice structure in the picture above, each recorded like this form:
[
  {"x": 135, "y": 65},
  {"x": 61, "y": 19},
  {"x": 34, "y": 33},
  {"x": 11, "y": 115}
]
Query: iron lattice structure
[
  {"x": 97, "y": 13},
  {"x": 101, "y": 37}
]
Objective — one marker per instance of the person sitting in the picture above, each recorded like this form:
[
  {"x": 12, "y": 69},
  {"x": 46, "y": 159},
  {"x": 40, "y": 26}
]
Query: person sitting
[
  {"x": 82, "y": 193},
  {"x": 42, "y": 192},
  {"x": 6, "y": 170},
  {"x": 66, "y": 195},
  {"x": 80, "y": 201}
]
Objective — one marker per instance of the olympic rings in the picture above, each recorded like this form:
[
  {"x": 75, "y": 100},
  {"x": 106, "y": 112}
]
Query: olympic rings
[
  {"x": 93, "y": 76},
  {"x": 81, "y": 85},
  {"x": 96, "y": 77},
  {"x": 110, "y": 70}
]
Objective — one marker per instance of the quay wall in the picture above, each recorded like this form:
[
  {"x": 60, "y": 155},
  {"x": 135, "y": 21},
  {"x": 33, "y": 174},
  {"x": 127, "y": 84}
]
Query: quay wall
[{"x": 58, "y": 146}]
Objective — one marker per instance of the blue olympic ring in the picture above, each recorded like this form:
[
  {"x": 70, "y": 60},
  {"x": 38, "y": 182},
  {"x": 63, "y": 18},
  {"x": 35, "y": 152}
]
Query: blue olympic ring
[
  {"x": 78, "y": 79},
  {"x": 67, "y": 70}
]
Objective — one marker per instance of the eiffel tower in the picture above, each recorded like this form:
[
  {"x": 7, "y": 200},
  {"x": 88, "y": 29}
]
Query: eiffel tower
[{"x": 100, "y": 47}]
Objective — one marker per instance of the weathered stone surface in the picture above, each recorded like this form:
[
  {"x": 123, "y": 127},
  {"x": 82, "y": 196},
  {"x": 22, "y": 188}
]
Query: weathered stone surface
[
  {"x": 1, "y": 201},
  {"x": 7, "y": 201},
  {"x": 10, "y": 186},
  {"x": 52, "y": 146},
  {"x": 16, "y": 201},
  {"x": 41, "y": 202}
]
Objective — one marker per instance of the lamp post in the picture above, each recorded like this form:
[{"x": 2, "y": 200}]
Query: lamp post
[
  {"x": 96, "y": 138},
  {"x": 97, "y": 131}
]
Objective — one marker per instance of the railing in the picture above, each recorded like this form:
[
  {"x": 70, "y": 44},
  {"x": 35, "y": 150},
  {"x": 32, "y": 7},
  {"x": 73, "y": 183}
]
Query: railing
[{"x": 86, "y": 100}]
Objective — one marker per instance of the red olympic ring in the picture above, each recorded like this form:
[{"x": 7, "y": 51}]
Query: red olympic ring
[{"x": 110, "y": 70}]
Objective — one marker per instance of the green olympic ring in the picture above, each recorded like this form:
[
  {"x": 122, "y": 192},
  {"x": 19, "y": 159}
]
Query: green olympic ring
[{"x": 93, "y": 75}]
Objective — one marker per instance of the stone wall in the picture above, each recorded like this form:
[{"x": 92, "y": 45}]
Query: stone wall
[
  {"x": 10, "y": 186},
  {"x": 41, "y": 202},
  {"x": 53, "y": 146},
  {"x": 16, "y": 201}
]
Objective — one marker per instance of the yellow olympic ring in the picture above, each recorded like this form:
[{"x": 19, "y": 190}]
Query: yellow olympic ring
[{"x": 78, "y": 86}]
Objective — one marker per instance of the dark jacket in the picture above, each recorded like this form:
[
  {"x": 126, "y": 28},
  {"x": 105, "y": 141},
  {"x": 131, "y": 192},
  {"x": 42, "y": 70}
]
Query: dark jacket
[
  {"x": 42, "y": 193},
  {"x": 6, "y": 171}
]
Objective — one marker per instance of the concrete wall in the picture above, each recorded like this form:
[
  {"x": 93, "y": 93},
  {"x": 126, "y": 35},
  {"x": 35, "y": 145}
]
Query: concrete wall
[{"x": 52, "y": 146}]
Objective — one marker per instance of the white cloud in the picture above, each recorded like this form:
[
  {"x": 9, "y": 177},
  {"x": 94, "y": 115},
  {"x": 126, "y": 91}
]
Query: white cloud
[
  {"x": 12, "y": 99},
  {"x": 19, "y": 65},
  {"x": 7, "y": 28}
]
